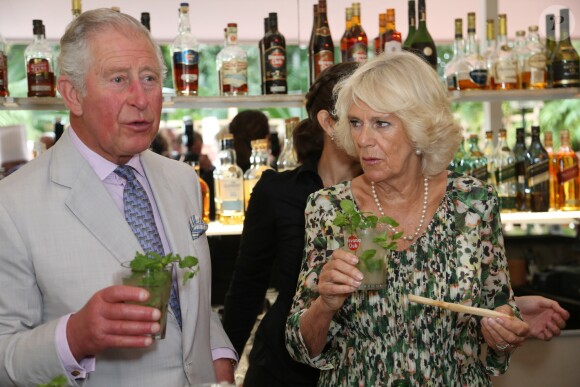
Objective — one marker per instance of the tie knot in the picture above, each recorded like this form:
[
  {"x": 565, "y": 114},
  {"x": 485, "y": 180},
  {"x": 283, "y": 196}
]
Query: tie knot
[{"x": 126, "y": 172}]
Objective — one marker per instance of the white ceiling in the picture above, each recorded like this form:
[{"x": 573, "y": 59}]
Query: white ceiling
[{"x": 208, "y": 18}]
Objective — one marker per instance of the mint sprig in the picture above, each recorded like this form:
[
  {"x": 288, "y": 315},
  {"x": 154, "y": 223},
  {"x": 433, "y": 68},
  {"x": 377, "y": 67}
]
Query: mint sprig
[{"x": 152, "y": 261}]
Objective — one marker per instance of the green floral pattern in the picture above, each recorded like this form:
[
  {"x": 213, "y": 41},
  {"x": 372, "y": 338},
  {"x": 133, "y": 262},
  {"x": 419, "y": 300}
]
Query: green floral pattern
[{"x": 377, "y": 336}]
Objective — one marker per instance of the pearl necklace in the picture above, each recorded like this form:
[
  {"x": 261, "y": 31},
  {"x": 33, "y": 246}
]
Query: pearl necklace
[{"x": 423, "y": 211}]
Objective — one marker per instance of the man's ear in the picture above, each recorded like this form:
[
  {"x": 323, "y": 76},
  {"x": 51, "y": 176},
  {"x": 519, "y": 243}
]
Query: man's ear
[{"x": 72, "y": 98}]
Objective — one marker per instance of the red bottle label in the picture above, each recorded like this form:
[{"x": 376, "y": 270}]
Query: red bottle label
[{"x": 353, "y": 242}]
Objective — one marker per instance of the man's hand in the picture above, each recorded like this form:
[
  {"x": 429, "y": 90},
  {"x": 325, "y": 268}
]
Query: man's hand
[
  {"x": 106, "y": 321},
  {"x": 224, "y": 370}
]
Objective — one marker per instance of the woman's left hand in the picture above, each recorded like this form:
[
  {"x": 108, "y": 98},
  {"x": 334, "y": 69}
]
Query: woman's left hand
[{"x": 504, "y": 334}]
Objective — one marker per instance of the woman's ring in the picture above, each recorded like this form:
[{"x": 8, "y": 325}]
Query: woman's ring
[{"x": 502, "y": 347}]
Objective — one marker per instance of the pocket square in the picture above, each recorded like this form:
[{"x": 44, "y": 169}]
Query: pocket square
[{"x": 197, "y": 226}]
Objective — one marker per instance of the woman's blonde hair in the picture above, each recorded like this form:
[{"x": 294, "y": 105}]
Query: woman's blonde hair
[{"x": 405, "y": 85}]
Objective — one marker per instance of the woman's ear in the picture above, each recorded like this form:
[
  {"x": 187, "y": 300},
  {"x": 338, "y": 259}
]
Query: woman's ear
[
  {"x": 71, "y": 96},
  {"x": 326, "y": 122}
]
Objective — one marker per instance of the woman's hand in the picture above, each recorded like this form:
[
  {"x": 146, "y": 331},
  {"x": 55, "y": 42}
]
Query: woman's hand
[
  {"x": 504, "y": 334},
  {"x": 544, "y": 316},
  {"x": 338, "y": 279}
]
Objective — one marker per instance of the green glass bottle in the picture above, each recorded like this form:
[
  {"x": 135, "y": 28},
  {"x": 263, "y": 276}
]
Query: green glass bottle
[
  {"x": 412, "y": 25},
  {"x": 476, "y": 160},
  {"x": 539, "y": 174},
  {"x": 565, "y": 60},
  {"x": 423, "y": 44}
]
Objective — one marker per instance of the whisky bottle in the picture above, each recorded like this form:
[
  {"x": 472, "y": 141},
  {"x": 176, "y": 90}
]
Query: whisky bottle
[
  {"x": 344, "y": 39},
  {"x": 523, "y": 162},
  {"x": 488, "y": 149},
  {"x": 204, "y": 188},
  {"x": 76, "y": 8},
  {"x": 553, "y": 178},
  {"x": 146, "y": 20},
  {"x": 382, "y": 28},
  {"x": 261, "y": 49},
  {"x": 229, "y": 184},
  {"x": 58, "y": 128},
  {"x": 534, "y": 73},
  {"x": 412, "y": 17},
  {"x": 185, "y": 56},
  {"x": 505, "y": 71},
  {"x": 504, "y": 170},
  {"x": 550, "y": 47},
  {"x": 538, "y": 174},
  {"x": 259, "y": 165},
  {"x": 450, "y": 71},
  {"x": 472, "y": 74},
  {"x": 567, "y": 174},
  {"x": 357, "y": 42},
  {"x": 232, "y": 65},
  {"x": 288, "y": 160},
  {"x": 459, "y": 163},
  {"x": 322, "y": 52},
  {"x": 39, "y": 59},
  {"x": 3, "y": 68},
  {"x": 565, "y": 60},
  {"x": 477, "y": 162},
  {"x": 423, "y": 44},
  {"x": 275, "y": 58},
  {"x": 391, "y": 38},
  {"x": 489, "y": 55}
]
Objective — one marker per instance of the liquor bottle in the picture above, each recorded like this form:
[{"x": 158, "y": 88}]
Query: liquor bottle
[
  {"x": 565, "y": 60},
  {"x": 505, "y": 71},
  {"x": 568, "y": 176},
  {"x": 187, "y": 135},
  {"x": 146, "y": 20},
  {"x": 204, "y": 188},
  {"x": 550, "y": 47},
  {"x": 538, "y": 174},
  {"x": 357, "y": 41},
  {"x": 185, "y": 56},
  {"x": 534, "y": 73},
  {"x": 116, "y": 9},
  {"x": 275, "y": 59},
  {"x": 344, "y": 39},
  {"x": 504, "y": 170},
  {"x": 76, "y": 8},
  {"x": 423, "y": 44},
  {"x": 521, "y": 50},
  {"x": 229, "y": 184},
  {"x": 288, "y": 160},
  {"x": 382, "y": 28},
  {"x": 553, "y": 178},
  {"x": 489, "y": 55},
  {"x": 488, "y": 149},
  {"x": 477, "y": 162},
  {"x": 412, "y": 16},
  {"x": 311, "y": 42},
  {"x": 39, "y": 59},
  {"x": 459, "y": 163},
  {"x": 232, "y": 65},
  {"x": 523, "y": 162},
  {"x": 450, "y": 71},
  {"x": 259, "y": 165},
  {"x": 3, "y": 68},
  {"x": 472, "y": 74},
  {"x": 391, "y": 39},
  {"x": 58, "y": 128},
  {"x": 322, "y": 52},
  {"x": 261, "y": 49}
]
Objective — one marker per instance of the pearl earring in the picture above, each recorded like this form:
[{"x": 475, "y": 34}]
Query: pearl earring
[{"x": 418, "y": 152}]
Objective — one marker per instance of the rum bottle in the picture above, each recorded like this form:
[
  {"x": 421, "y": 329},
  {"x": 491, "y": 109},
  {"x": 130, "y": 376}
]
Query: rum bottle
[
  {"x": 505, "y": 71},
  {"x": 391, "y": 38},
  {"x": 534, "y": 72},
  {"x": 229, "y": 184},
  {"x": 344, "y": 39},
  {"x": 504, "y": 169},
  {"x": 382, "y": 29},
  {"x": 275, "y": 59},
  {"x": 412, "y": 17},
  {"x": 357, "y": 42},
  {"x": 261, "y": 49},
  {"x": 523, "y": 162},
  {"x": 288, "y": 160},
  {"x": 450, "y": 71},
  {"x": 538, "y": 174},
  {"x": 3, "y": 68},
  {"x": 565, "y": 60},
  {"x": 232, "y": 65},
  {"x": 204, "y": 188},
  {"x": 39, "y": 59},
  {"x": 311, "y": 42},
  {"x": 567, "y": 173},
  {"x": 553, "y": 180},
  {"x": 322, "y": 53},
  {"x": 423, "y": 44},
  {"x": 185, "y": 56}
]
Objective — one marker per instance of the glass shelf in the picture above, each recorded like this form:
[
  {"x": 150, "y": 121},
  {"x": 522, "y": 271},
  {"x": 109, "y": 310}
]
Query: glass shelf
[
  {"x": 513, "y": 95},
  {"x": 552, "y": 217}
]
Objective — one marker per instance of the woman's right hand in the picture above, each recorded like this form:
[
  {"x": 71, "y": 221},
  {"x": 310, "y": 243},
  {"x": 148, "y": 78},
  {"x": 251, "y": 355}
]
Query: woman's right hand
[{"x": 338, "y": 279}]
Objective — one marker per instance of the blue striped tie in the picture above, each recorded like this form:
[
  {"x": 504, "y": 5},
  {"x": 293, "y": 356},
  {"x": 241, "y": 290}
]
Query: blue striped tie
[{"x": 139, "y": 215}]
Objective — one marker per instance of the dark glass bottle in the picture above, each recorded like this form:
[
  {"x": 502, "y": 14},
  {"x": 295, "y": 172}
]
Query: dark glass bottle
[
  {"x": 538, "y": 174},
  {"x": 275, "y": 59},
  {"x": 322, "y": 49},
  {"x": 477, "y": 162},
  {"x": 146, "y": 20},
  {"x": 382, "y": 28},
  {"x": 357, "y": 41},
  {"x": 344, "y": 38},
  {"x": 261, "y": 48},
  {"x": 423, "y": 44},
  {"x": 550, "y": 46},
  {"x": 412, "y": 15},
  {"x": 58, "y": 128},
  {"x": 565, "y": 60},
  {"x": 522, "y": 158}
]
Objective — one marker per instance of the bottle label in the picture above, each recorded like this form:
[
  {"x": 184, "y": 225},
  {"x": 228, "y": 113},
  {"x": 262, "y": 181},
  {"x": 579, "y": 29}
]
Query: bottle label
[
  {"x": 568, "y": 174},
  {"x": 186, "y": 57},
  {"x": 234, "y": 73},
  {"x": 232, "y": 193},
  {"x": 40, "y": 78},
  {"x": 38, "y": 66},
  {"x": 357, "y": 53},
  {"x": 322, "y": 60},
  {"x": 566, "y": 73},
  {"x": 275, "y": 63},
  {"x": 506, "y": 72},
  {"x": 539, "y": 173},
  {"x": 323, "y": 31},
  {"x": 393, "y": 46},
  {"x": 479, "y": 77},
  {"x": 506, "y": 174},
  {"x": 451, "y": 81},
  {"x": 480, "y": 173}
]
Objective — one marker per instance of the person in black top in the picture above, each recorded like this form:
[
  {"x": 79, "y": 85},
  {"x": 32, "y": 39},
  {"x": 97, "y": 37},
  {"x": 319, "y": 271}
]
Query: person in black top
[
  {"x": 273, "y": 237},
  {"x": 247, "y": 126}
]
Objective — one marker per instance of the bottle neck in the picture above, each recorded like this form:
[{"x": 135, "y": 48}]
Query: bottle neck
[{"x": 184, "y": 25}]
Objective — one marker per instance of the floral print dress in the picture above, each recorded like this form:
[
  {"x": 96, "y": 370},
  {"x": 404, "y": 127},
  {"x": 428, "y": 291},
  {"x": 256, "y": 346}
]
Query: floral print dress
[{"x": 378, "y": 337}]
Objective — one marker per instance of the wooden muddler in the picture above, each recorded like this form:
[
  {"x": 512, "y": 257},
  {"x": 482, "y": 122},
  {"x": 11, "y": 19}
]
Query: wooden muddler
[{"x": 458, "y": 307}]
